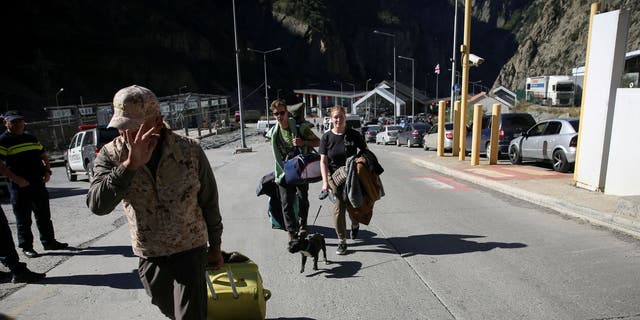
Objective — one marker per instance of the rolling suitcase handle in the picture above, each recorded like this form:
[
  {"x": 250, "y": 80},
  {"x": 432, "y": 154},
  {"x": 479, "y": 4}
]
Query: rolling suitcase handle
[{"x": 231, "y": 282}]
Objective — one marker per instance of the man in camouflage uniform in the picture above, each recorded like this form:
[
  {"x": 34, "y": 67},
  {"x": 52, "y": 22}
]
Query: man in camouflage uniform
[{"x": 170, "y": 199}]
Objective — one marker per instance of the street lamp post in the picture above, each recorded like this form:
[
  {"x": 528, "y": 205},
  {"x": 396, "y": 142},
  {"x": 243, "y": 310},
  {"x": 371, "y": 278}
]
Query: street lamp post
[
  {"x": 352, "y": 95},
  {"x": 340, "y": 83},
  {"x": 453, "y": 61},
  {"x": 57, "y": 93},
  {"x": 366, "y": 88},
  {"x": 243, "y": 141},
  {"x": 395, "y": 103},
  {"x": 266, "y": 85},
  {"x": 473, "y": 86},
  {"x": 413, "y": 85}
]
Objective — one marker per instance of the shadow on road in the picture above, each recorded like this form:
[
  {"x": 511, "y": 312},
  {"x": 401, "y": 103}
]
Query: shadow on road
[
  {"x": 55, "y": 193},
  {"x": 124, "y": 251},
  {"x": 344, "y": 269},
  {"x": 129, "y": 280},
  {"x": 440, "y": 244}
]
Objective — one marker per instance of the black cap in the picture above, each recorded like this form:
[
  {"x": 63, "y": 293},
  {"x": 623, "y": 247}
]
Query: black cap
[{"x": 12, "y": 116}]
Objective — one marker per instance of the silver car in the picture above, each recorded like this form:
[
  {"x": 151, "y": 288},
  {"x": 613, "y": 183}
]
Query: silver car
[
  {"x": 552, "y": 140},
  {"x": 430, "y": 140},
  {"x": 388, "y": 134}
]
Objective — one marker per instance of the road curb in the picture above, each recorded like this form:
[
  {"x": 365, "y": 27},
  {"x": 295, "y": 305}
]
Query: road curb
[{"x": 604, "y": 219}]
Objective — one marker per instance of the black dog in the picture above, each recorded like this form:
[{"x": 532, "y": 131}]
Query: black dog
[{"x": 309, "y": 247}]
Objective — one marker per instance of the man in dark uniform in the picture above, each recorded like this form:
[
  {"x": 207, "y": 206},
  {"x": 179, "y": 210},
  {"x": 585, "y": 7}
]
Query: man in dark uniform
[
  {"x": 9, "y": 257},
  {"x": 28, "y": 170}
]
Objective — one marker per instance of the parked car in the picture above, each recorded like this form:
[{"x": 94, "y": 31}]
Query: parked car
[
  {"x": 430, "y": 139},
  {"x": 411, "y": 134},
  {"x": 372, "y": 131},
  {"x": 84, "y": 147},
  {"x": 552, "y": 140},
  {"x": 511, "y": 126},
  {"x": 388, "y": 134}
]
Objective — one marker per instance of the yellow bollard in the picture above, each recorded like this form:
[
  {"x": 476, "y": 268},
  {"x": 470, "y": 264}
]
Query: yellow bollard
[
  {"x": 456, "y": 129},
  {"x": 441, "y": 113},
  {"x": 495, "y": 125},
  {"x": 475, "y": 138}
]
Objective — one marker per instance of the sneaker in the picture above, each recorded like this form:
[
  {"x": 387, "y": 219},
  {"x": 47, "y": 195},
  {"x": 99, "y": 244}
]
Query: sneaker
[
  {"x": 27, "y": 276},
  {"x": 30, "y": 253},
  {"x": 354, "y": 232},
  {"x": 342, "y": 249},
  {"x": 55, "y": 245}
]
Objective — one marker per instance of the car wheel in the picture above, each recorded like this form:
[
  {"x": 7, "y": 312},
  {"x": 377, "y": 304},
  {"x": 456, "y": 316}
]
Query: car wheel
[
  {"x": 397, "y": 142},
  {"x": 560, "y": 163},
  {"x": 70, "y": 175},
  {"x": 425, "y": 146},
  {"x": 408, "y": 143},
  {"x": 514, "y": 155}
]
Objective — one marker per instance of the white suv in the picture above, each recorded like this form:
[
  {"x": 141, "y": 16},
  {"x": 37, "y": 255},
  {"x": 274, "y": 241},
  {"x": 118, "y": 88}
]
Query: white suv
[{"x": 83, "y": 149}]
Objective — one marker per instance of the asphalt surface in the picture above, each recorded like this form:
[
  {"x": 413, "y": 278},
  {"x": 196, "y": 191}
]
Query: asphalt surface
[{"x": 99, "y": 279}]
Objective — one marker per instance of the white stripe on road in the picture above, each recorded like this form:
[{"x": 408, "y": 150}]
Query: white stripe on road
[
  {"x": 490, "y": 173},
  {"x": 434, "y": 183}
]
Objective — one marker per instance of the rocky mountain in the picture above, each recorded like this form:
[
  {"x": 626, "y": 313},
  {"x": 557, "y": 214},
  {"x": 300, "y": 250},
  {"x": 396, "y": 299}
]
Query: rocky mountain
[
  {"x": 93, "y": 48},
  {"x": 552, "y": 38}
]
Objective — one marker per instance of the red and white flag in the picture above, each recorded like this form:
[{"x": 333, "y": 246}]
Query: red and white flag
[{"x": 438, "y": 68}]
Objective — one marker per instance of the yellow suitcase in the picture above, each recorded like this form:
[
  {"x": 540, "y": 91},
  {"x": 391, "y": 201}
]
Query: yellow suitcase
[{"x": 236, "y": 292}]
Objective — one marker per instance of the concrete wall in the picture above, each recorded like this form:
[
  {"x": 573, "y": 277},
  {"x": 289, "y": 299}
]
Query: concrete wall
[
  {"x": 604, "y": 73},
  {"x": 623, "y": 177}
]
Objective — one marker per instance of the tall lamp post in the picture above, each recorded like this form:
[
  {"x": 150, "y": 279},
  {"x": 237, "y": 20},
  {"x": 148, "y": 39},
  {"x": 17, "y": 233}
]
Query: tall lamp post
[
  {"x": 57, "y": 93},
  {"x": 413, "y": 85},
  {"x": 395, "y": 103},
  {"x": 352, "y": 95},
  {"x": 266, "y": 85},
  {"x": 453, "y": 61},
  {"x": 243, "y": 147},
  {"x": 340, "y": 83},
  {"x": 366, "y": 88}
]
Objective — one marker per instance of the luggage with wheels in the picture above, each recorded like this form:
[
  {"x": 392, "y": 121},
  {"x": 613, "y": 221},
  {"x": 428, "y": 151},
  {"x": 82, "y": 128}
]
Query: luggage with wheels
[{"x": 235, "y": 291}]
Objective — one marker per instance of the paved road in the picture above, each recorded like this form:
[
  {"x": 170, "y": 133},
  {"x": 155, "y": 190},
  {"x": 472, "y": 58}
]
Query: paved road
[{"x": 437, "y": 248}]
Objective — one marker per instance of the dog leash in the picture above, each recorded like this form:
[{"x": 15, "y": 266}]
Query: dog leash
[{"x": 318, "y": 213}]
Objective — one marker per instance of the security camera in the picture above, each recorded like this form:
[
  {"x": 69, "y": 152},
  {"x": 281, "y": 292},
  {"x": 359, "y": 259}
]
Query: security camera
[{"x": 475, "y": 60}]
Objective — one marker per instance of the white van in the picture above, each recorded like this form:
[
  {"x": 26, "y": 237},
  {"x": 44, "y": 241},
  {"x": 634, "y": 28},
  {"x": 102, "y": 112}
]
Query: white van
[{"x": 263, "y": 126}]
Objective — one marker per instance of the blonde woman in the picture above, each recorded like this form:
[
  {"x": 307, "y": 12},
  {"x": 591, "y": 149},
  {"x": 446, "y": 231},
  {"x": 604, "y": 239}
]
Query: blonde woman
[{"x": 336, "y": 145}]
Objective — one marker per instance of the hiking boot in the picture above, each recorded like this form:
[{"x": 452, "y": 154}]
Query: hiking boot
[
  {"x": 55, "y": 245},
  {"x": 30, "y": 253},
  {"x": 27, "y": 276},
  {"x": 342, "y": 249}
]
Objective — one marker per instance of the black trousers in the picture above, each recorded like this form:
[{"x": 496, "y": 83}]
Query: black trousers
[
  {"x": 287, "y": 198},
  {"x": 32, "y": 198},
  {"x": 8, "y": 255},
  {"x": 176, "y": 283}
]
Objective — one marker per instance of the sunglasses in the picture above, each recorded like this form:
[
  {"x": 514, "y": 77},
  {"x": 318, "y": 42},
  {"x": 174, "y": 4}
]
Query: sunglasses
[{"x": 278, "y": 113}]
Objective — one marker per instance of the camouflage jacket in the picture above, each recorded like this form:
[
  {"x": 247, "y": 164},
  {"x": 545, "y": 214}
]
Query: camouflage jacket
[{"x": 173, "y": 212}]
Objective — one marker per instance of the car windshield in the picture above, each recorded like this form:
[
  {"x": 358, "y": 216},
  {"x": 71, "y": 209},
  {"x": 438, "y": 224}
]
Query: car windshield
[
  {"x": 373, "y": 128},
  {"x": 518, "y": 123},
  {"x": 575, "y": 124},
  {"x": 105, "y": 135},
  {"x": 393, "y": 128},
  {"x": 422, "y": 127}
]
